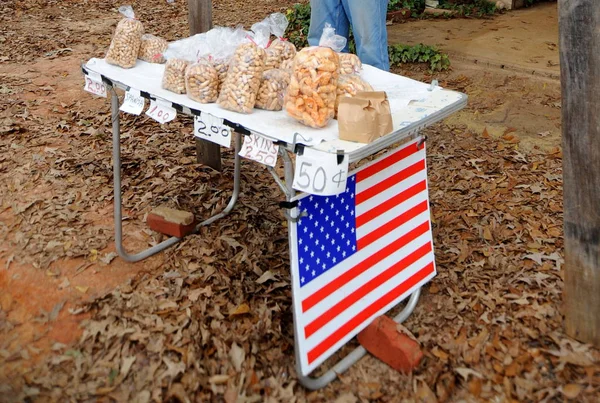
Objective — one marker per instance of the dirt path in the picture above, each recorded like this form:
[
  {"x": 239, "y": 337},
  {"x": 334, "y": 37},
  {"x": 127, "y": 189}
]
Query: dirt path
[{"x": 507, "y": 65}]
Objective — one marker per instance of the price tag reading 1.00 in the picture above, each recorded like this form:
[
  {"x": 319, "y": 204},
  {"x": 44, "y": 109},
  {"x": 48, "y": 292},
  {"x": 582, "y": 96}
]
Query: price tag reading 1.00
[
  {"x": 94, "y": 84},
  {"x": 319, "y": 173},
  {"x": 133, "y": 102},
  {"x": 211, "y": 128},
  {"x": 161, "y": 112},
  {"x": 259, "y": 149}
]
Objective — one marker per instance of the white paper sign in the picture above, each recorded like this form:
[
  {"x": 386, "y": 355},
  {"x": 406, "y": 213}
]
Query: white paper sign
[
  {"x": 161, "y": 112},
  {"x": 133, "y": 103},
  {"x": 319, "y": 173},
  {"x": 94, "y": 84},
  {"x": 211, "y": 128},
  {"x": 259, "y": 149}
]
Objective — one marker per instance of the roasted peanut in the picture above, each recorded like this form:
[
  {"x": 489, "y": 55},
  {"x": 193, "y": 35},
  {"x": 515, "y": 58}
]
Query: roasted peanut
[
  {"x": 278, "y": 52},
  {"x": 243, "y": 79},
  {"x": 202, "y": 82},
  {"x": 125, "y": 45},
  {"x": 349, "y": 63},
  {"x": 152, "y": 49},
  {"x": 174, "y": 76},
  {"x": 272, "y": 89}
]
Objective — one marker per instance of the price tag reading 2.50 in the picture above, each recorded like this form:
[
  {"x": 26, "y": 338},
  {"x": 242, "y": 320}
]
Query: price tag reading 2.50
[
  {"x": 94, "y": 84},
  {"x": 259, "y": 149},
  {"x": 211, "y": 128},
  {"x": 319, "y": 173},
  {"x": 160, "y": 112}
]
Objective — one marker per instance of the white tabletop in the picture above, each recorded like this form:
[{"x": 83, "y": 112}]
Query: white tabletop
[{"x": 413, "y": 105}]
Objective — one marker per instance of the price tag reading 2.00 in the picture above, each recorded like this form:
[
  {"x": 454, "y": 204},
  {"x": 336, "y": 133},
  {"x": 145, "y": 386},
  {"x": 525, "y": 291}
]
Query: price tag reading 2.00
[
  {"x": 94, "y": 84},
  {"x": 211, "y": 128},
  {"x": 259, "y": 149},
  {"x": 319, "y": 173}
]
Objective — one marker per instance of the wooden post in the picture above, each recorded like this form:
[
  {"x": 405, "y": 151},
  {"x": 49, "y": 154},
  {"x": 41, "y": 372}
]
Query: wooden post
[
  {"x": 200, "y": 20},
  {"x": 579, "y": 25}
]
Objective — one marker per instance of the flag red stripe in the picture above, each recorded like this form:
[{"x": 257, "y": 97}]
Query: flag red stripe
[
  {"x": 363, "y": 266},
  {"x": 372, "y": 309},
  {"x": 391, "y": 225},
  {"x": 387, "y": 183},
  {"x": 365, "y": 290},
  {"x": 387, "y": 162},
  {"x": 389, "y": 204}
]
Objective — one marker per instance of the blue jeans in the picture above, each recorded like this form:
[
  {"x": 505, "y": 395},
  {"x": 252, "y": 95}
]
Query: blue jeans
[{"x": 367, "y": 18}]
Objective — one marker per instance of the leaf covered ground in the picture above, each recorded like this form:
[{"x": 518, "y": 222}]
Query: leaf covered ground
[{"x": 210, "y": 319}]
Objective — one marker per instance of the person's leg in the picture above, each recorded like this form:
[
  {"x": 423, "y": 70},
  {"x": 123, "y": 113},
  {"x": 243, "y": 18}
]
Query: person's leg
[
  {"x": 327, "y": 11},
  {"x": 368, "y": 20}
]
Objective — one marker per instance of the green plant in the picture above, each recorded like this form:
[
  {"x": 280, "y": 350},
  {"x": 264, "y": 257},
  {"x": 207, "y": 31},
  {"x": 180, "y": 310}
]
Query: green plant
[
  {"x": 416, "y": 6},
  {"x": 297, "y": 33},
  {"x": 476, "y": 8},
  {"x": 299, "y": 22},
  {"x": 420, "y": 53}
]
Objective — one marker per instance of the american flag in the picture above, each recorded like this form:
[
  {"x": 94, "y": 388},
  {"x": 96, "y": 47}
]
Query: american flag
[{"x": 358, "y": 254}]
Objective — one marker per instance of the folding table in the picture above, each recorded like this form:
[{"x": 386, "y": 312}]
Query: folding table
[{"x": 384, "y": 246}]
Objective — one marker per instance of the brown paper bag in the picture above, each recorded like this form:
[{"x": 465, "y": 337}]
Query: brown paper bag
[
  {"x": 357, "y": 120},
  {"x": 380, "y": 102},
  {"x": 365, "y": 117}
]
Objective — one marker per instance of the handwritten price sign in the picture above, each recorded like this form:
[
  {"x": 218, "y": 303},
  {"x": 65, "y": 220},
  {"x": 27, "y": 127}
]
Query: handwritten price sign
[
  {"x": 94, "y": 84},
  {"x": 319, "y": 173},
  {"x": 211, "y": 128},
  {"x": 133, "y": 103},
  {"x": 161, "y": 112},
  {"x": 259, "y": 149}
]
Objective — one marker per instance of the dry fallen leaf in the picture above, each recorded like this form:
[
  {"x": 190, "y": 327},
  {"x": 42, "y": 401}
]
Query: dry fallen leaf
[
  {"x": 237, "y": 356},
  {"x": 240, "y": 310},
  {"x": 572, "y": 390},
  {"x": 465, "y": 372}
]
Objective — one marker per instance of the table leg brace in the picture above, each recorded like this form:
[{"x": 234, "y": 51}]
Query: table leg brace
[{"x": 117, "y": 192}]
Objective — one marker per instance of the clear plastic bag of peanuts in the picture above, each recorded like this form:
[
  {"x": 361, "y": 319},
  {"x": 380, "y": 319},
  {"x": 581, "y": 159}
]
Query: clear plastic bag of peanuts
[
  {"x": 223, "y": 43},
  {"x": 349, "y": 63},
  {"x": 152, "y": 48},
  {"x": 180, "y": 55},
  {"x": 287, "y": 65},
  {"x": 125, "y": 45},
  {"x": 202, "y": 82},
  {"x": 280, "y": 49},
  {"x": 348, "y": 86},
  {"x": 239, "y": 91},
  {"x": 312, "y": 92},
  {"x": 272, "y": 89}
]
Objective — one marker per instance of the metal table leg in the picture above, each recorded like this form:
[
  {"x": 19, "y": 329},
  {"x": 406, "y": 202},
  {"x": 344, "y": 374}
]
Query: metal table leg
[
  {"x": 359, "y": 352},
  {"x": 117, "y": 192},
  {"x": 345, "y": 363}
]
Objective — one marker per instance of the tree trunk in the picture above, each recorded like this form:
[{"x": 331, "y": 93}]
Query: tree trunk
[
  {"x": 579, "y": 25},
  {"x": 200, "y": 20}
]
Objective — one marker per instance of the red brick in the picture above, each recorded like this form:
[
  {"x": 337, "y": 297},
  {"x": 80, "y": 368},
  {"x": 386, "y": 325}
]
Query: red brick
[
  {"x": 171, "y": 222},
  {"x": 383, "y": 339}
]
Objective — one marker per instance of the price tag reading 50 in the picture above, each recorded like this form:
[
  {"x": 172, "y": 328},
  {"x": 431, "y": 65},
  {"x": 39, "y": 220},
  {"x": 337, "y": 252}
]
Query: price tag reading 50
[
  {"x": 211, "y": 128},
  {"x": 319, "y": 173}
]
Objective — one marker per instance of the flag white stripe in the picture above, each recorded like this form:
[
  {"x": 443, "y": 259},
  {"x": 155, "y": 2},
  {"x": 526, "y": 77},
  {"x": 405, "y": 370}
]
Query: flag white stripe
[
  {"x": 368, "y": 275},
  {"x": 379, "y": 292},
  {"x": 386, "y": 217},
  {"x": 359, "y": 256},
  {"x": 389, "y": 171}
]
